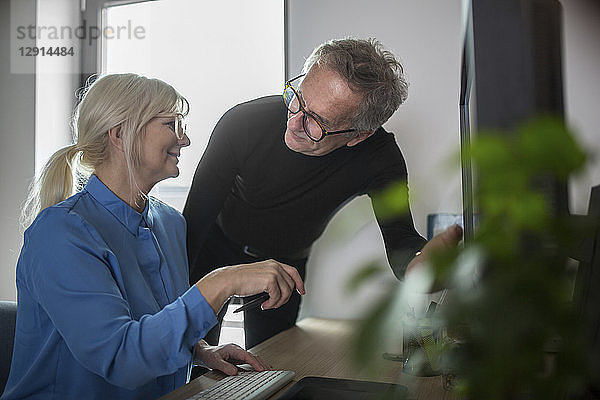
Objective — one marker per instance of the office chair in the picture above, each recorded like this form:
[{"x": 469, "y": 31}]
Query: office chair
[{"x": 8, "y": 319}]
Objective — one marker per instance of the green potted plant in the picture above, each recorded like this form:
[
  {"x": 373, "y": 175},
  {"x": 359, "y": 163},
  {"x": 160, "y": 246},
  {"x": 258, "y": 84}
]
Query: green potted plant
[{"x": 510, "y": 328}]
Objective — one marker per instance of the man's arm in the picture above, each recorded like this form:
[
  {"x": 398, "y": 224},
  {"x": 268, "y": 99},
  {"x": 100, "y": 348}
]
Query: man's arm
[
  {"x": 402, "y": 241},
  {"x": 406, "y": 249},
  {"x": 388, "y": 189}
]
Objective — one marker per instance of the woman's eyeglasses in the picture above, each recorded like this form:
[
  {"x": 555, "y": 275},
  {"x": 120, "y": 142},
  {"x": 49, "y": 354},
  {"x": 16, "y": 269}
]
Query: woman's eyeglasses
[{"x": 178, "y": 126}]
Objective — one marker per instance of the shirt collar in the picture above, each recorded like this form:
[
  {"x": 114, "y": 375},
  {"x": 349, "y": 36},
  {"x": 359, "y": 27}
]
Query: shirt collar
[{"x": 130, "y": 218}]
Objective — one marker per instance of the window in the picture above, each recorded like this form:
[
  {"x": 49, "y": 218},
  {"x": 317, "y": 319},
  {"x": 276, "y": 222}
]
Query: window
[{"x": 216, "y": 54}]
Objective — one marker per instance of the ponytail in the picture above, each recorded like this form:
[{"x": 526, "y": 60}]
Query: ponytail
[{"x": 54, "y": 184}]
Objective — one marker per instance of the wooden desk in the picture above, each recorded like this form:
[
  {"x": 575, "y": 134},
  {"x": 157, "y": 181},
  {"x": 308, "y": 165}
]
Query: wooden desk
[{"x": 321, "y": 347}]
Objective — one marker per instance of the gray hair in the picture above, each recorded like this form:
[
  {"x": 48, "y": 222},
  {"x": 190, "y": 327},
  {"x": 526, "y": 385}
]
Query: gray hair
[{"x": 370, "y": 70}]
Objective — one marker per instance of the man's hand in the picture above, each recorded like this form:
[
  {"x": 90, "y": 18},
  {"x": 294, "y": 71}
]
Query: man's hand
[
  {"x": 225, "y": 358},
  {"x": 447, "y": 239}
]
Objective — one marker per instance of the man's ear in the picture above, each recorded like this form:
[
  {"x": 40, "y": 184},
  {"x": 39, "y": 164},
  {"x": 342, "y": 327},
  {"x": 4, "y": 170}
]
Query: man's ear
[
  {"x": 115, "y": 137},
  {"x": 360, "y": 137}
]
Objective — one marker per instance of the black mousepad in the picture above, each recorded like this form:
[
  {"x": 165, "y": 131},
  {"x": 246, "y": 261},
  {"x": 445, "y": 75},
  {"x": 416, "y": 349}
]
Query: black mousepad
[{"x": 312, "y": 388}]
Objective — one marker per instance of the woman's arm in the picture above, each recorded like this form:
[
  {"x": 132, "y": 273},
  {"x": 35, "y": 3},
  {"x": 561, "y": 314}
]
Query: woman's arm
[{"x": 75, "y": 279}]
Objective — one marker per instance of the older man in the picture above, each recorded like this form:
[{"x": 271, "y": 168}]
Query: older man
[{"x": 277, "y": 169}]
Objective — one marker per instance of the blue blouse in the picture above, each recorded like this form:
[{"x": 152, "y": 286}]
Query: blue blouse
[{"x": 105, "y": 309}]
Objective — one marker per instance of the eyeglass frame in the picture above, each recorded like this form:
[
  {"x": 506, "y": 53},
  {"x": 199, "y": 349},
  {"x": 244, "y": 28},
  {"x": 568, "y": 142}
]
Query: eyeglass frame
[
  {"x": 175, "y": 128},
  {"x": 306, "y": 114}
]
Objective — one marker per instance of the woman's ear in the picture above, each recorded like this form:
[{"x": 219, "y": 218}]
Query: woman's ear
[{"x": 115, "y": 138}]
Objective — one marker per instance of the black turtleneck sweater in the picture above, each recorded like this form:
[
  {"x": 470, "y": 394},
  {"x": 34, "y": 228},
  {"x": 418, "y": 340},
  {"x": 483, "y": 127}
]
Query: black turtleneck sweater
[{"x": 277, "y": 201}]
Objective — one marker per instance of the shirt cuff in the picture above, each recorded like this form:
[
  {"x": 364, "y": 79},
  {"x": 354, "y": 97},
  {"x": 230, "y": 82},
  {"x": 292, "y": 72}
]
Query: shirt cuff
[{"x": 200, "y": 313}]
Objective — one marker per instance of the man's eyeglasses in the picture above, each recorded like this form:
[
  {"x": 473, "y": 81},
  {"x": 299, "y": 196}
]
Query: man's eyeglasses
[
  {"x": 313, "y": 128},
  {"x": 178, "y": 126}
]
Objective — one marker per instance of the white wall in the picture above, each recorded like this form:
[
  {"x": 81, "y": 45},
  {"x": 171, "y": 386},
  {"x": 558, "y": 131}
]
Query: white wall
[
  {"x": 57, "y": 79},
  {"x": 51, "y": 92},
  {"x": 426, "y": 35},
  {"x": 16, "y": 144},
  {"x": 581, "y": 72}
]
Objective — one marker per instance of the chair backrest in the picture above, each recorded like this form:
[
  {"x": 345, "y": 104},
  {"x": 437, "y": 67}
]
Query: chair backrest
[{"x": 8, "y": 319}]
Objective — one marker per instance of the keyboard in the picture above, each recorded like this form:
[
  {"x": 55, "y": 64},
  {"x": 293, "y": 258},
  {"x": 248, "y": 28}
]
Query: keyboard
[{"x": 246, "y": 385}]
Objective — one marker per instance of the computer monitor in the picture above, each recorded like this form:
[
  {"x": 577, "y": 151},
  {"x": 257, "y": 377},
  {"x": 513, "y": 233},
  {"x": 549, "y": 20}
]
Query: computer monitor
[
  {"x": 587, "y": 288},
  {"x": 512, "y": 65}
]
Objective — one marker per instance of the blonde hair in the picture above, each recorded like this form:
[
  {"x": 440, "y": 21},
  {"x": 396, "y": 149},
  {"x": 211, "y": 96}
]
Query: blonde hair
[{"x": 127, "y": 101}]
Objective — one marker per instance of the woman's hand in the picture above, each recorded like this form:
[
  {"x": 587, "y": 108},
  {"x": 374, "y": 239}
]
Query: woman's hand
[
  {"x": 225, "y": 358},
  {"x": 277, "y": 279}
]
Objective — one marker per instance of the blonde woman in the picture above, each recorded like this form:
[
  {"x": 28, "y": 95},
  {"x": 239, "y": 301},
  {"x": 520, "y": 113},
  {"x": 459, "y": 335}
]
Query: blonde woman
[{"x": 104, "y": 306}]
